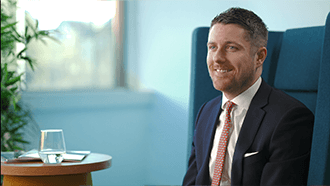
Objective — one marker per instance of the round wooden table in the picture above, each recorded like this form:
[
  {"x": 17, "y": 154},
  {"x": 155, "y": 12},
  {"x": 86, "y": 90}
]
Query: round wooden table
[{"x": 64, "y": 174}]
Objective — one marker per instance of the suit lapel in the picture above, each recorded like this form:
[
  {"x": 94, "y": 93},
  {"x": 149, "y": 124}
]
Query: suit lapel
[
  {"x": 249, "y": 130},
  {"x": 209, "y": 133}
]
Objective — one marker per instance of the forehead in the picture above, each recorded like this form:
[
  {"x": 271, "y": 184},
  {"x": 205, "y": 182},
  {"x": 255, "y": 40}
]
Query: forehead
[{"x": 228, "y": 33}]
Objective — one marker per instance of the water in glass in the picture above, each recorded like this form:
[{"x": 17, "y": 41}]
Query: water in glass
[{"x": 51, "y": 156}]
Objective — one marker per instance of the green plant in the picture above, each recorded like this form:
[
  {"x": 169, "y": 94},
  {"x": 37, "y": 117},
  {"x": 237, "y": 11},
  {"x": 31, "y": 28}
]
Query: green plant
[{"x": 13, "y": 115}]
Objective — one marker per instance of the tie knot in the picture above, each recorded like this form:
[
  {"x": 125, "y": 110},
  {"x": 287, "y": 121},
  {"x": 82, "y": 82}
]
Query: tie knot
[{"x": 230, "y": 105}]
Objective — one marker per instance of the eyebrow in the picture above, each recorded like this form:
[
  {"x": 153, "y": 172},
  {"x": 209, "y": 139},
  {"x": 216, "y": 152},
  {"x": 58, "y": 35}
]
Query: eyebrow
[
  {"x": 227, "y": 42},
  {"x": 210, "y": 43}
]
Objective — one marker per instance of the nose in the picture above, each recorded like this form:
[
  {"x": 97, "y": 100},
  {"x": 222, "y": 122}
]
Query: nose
[{"x": 219, "y": 56}]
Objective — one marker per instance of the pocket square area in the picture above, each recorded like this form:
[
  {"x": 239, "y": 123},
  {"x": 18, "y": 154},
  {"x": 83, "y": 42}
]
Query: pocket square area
[{"x": 250, "y": 154}]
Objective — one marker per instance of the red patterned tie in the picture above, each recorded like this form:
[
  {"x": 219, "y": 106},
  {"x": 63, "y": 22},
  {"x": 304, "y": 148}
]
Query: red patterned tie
[{"x": 219, "y": 162}]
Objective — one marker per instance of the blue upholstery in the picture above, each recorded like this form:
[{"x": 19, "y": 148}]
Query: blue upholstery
[
  {"x": 298, "y": 62},
  {"x": 299, "y": 59},
  {"x": 319, "y": 172},
  {"x": 273, "y": 49}
]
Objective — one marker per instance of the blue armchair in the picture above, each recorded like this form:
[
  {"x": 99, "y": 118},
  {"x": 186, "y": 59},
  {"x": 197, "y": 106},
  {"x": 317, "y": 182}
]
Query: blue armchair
[{"x": 298, "y": 63}]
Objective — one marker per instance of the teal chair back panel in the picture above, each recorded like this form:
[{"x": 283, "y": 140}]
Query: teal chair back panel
[
  {"x": 298, "y": 66},
  {"x": 319, "y": 171}
]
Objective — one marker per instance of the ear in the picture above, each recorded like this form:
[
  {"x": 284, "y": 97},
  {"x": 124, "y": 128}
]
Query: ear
[{"x": 260, "y": 56}]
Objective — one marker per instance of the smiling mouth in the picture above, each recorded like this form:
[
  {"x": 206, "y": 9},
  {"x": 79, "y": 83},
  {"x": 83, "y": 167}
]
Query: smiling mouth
[{"x": 222, "y": 71}]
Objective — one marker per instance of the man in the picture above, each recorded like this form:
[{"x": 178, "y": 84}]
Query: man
[{"x": 264, "y": 136}]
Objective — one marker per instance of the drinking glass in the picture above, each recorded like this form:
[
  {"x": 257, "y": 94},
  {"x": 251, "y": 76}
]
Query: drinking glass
[{"x": 52, "y": 146}]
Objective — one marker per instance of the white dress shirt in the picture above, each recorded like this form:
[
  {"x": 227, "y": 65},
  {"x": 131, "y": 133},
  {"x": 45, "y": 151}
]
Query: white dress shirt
[{"x": 238, "y": 113}]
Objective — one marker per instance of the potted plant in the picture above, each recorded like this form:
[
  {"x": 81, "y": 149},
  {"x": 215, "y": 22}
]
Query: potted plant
[{"x": 14, "y": 117}]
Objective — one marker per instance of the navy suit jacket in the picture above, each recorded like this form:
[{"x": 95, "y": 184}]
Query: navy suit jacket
[{"x": 276, "y": 126}]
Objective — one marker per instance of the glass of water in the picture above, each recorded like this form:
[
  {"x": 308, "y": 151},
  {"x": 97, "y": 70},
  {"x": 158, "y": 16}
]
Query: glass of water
[{"x": 52, "y": 146}]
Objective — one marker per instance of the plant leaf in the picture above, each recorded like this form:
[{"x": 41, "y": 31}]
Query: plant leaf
[
  {"x": 30, "y": 61},
  {"x": 22, "y": 141},
  {"x": 21, "y": 52},
  {"x": 13, "y": 80},
  {"x": 8, "y": 26}
]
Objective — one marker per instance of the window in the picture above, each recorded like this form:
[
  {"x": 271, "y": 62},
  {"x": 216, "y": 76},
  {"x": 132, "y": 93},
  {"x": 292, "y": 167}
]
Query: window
[{"x": 88, "y": 51}]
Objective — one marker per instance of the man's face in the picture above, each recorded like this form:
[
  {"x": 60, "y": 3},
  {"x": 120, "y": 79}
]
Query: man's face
[{"x": 232, "y": 65}]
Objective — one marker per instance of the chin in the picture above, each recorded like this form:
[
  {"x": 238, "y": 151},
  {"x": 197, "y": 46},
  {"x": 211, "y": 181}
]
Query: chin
[
  {"x": 218, "y": 87},
  {"x": 221, "y": 84}
]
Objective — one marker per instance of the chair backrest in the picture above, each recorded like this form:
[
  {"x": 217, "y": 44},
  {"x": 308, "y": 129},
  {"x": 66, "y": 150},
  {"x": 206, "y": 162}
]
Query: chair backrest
[{"x": 298, "y": 62}]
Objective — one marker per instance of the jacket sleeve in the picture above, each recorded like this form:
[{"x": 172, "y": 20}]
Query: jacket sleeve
[
  {"x": 289, "y": 149},
  {"x": 191, "y": 174}
]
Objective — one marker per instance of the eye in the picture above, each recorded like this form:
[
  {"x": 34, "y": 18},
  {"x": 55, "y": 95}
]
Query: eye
[
  {"x": 231, "y": 48},
  {"x": 211, "y": 47}
]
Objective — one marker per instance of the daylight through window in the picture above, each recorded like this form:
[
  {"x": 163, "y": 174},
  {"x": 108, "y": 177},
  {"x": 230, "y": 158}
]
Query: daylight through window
[{"x": 88, "y": 51}]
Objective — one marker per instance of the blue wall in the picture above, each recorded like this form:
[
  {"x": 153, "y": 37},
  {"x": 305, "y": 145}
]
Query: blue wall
[
  {"x": 146, "y": 132},
  {"x": 114, "y": 123}
]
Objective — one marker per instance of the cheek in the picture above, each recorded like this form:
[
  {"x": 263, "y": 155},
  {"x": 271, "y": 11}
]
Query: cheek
[
  {"x": 246, "y": 73},
  {"x": 208, "y": 60},
  {"x": 243, "y": 70},
  {"x": 246, "y": 63},
  {"x": 208, "y": 63}
]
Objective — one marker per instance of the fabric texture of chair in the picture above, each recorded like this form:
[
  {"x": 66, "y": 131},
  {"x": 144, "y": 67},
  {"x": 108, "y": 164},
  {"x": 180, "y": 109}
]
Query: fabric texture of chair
[{"x": 298, "y": 63}]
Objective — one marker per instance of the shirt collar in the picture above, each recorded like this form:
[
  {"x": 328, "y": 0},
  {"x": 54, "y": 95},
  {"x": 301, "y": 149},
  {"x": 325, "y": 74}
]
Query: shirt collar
[{"x": 244, "y": 99}]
